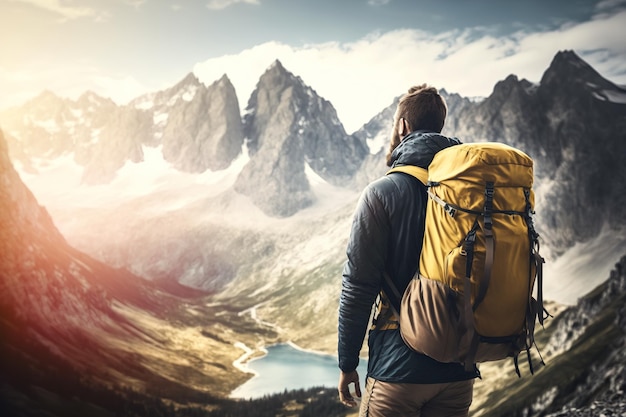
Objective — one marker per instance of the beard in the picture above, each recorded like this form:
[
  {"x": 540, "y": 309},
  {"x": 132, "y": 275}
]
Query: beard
[{"x": 394, "y": 141}]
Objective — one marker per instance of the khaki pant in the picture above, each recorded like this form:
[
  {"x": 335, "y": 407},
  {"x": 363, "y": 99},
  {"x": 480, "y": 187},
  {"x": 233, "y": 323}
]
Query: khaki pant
[{"x": 387, "y": 399}]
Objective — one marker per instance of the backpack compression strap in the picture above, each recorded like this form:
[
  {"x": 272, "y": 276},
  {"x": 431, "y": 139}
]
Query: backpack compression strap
[{"x": 486, "y": 278}]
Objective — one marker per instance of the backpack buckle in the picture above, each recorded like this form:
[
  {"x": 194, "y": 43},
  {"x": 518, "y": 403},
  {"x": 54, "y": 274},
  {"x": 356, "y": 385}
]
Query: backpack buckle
[{"x": 450, "y": 210}]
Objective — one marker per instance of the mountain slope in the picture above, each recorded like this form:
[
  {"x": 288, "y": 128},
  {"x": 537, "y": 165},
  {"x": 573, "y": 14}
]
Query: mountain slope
[
  {"x": 203, "y": 129},
  {"x": 197, "y": 241},
  {"x": 573, "y": 124},
  {"x": 197, "y": 128},
  {"x": 278, "y": 275},
  {"x": 79, "y": 335},
  {"x": 288, "y": 125}
]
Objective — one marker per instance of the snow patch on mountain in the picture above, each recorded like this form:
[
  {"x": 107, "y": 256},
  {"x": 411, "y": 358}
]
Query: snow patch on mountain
[
  {"x": 583, "y": 267},
  {"x": 58, "y": 182},
  {"x": 613, "y": 96},
  {"x": 376, "y": 143}
]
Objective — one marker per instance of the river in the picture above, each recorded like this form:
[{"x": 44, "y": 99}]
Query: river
[{"x": 286, "y": 367}]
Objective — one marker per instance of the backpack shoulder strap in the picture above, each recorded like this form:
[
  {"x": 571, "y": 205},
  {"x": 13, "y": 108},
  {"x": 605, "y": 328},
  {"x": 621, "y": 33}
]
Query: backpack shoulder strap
[{"x": 420, "y": 173}]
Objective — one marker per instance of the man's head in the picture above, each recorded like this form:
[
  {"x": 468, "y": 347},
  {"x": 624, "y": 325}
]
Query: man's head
[{"x": 421, "y": 108}]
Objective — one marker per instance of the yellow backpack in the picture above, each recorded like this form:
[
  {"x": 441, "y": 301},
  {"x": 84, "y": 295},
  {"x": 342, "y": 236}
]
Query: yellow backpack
[{"x": 472, "y": 298}]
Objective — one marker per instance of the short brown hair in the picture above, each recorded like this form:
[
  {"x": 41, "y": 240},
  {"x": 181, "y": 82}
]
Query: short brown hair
[{"x": 423, "y": 108}]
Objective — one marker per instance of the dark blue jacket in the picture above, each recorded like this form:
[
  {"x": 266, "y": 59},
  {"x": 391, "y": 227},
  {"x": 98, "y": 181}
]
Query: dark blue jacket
[{"x": 386, "y": 236}]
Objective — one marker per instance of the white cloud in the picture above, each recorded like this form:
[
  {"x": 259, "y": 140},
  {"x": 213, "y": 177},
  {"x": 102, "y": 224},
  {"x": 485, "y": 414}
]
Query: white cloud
[
  {"x": 363, "y": 77},
  {"x": 606, "y": 8},
  {"x": 610, "y": 5},
  {"x": 243, "y": 69},
  {"x": 122, "y": 88},
  {"x": 378, "y": 2},
  {"x": 69, "y": 82},
  {"x": 134, "y": 3},
  {"x": 66, "y": 12},
  {"x": 222, "y": 4}
]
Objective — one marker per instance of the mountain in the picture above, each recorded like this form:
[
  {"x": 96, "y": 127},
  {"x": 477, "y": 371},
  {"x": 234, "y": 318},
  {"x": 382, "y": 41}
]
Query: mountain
[
  {"x": 289, "y": 126},
  {"x": 293, "y": 136},
  {"x": 198, "y": 127},
  {"x": 98, "y": 134},
  {"x": 296, "y": 152},
  {"x": 375, "y": 134},
  {"x": 82, "y": 338},
  {"x": 164, "y": 225},
  {"x": 267, "y": 235},
  {"x": 572, "y": 123}
]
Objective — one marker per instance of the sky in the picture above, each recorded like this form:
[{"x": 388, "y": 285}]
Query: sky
[{"x": 358, "y": 54}]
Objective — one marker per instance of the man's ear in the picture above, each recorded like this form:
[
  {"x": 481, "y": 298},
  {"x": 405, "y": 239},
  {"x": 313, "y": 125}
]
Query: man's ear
[{"x": 403, "y": 127}]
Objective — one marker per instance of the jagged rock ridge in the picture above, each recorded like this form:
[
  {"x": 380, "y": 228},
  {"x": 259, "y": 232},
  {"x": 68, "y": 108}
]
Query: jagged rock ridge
[
  {"x": 198, "y": 128},
  {"x": 82, "y": 338},
  {"x": 572, "y": 123},
  {"x": 287, "y": 125},
  {"x": 542, "y": 150}
]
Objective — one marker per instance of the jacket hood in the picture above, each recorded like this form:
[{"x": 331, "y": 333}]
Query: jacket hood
[{"x": 419, "y": 148}]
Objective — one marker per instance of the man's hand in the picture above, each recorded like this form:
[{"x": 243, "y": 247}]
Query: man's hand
[{"x": 345, "y": 379}]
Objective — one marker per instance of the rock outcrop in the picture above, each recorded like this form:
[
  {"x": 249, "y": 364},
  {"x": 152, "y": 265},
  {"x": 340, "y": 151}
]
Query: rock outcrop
[{"x": 287, "y": 126}]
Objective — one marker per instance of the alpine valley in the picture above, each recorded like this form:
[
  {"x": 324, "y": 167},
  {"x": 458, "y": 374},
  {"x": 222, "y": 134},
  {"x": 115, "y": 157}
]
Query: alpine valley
[{"x": 149, "y": 249}]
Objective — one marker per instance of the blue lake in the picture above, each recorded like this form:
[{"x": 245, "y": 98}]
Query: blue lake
[{"x": 285, "y": 367}]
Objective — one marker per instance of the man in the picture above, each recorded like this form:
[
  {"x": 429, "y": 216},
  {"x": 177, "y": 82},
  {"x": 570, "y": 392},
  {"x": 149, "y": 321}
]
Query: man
[{"x": 386, "y": 238}]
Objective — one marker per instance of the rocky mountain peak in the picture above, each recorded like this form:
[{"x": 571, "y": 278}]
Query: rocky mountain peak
[
  {"x": 44, "y": 97},
  {"x": 91, "y": 98},
  {"x": 503, "y": 89},
  {"x": 568, "y": 68},
  {"x": 571, "y": 124},
  {"x": 184, "y": 90},
  {"x": 224, "y": 80},
  {"x": 508, "y": 82},
  {"x": 512, "y": 88},
  {"x": 202, "y": 128},
  {"x": 199, "y": 127},
  {"x": 41, "y": 107},
  {"x": 277, "y": 68},
  {"x": 268, "y": 92},
  {"x": 274, "y": 177},
  {"x": 190, "y": 81},
  {"x": 224, "y": 85},
  {"x": 288, "y": 126}
]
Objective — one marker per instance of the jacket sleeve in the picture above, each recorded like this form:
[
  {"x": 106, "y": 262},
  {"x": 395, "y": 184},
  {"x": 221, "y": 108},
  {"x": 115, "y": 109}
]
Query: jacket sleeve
[{"x": 362, "y": 275}]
